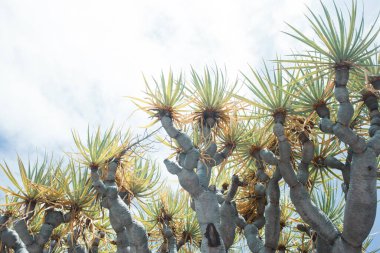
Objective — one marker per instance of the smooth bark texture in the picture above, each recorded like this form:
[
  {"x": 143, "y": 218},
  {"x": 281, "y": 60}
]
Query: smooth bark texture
[
  {"x": 169, "y": 235},
  {"x": 229, "y": 214},
  {"x": 206, "y": 203},
  {"x": 272, "y": 213},
  {"x": 131, "y": 234},
  {"x": 359, "y": 173},
  {"x": 334, "y": 163},
  {"x": 10, "y": 238},
  {"x": 298, "y": 194},
  {"x": 35, "y": 244},
  {"x": 271, "y": 219},
  {"x": 361, "y": 202}
]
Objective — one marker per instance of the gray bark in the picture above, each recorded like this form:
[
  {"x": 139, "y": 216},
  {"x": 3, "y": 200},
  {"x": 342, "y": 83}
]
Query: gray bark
[
  {"x": 229, "y": 215},
  {"x": 251, "y": 233},
  {"x": 224, "y": 218},
  {"x": 334, "y": 163},
  {"x": 322, "y": 245},
  {"x": 131, "y": 234},
  {"x": 35, "y": 244},
  {"x": 169, "y": 235},
  {"x": 298, "y": 193},
  {"x": 9, "y": 237},
  {"x": 206, "y": 203},
  {"x": 360, "y": 209},
  {"x": 361, "y": 202},
  {"x": 272, "y": 213}
]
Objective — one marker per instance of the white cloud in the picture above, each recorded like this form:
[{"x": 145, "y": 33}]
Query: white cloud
[{"x": 67, "y": 64}]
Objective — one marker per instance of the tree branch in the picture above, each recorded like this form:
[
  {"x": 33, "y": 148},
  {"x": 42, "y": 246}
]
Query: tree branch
[
  {"x": 35, "y": 244},
  {"x": 272, "y": 213},
  {"x": 131, "y": 234},
  {"x": 169, "y": 235},
  {"x": 9, "y": 237},
  {"x": 187, "y": 178},
  {"x": 229, "y": 214},
  {"x": 298, "y": 194}
]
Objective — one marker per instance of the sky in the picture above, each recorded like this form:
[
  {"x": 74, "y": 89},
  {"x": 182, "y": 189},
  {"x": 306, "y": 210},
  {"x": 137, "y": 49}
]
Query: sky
[{"x": 70, "y": 64}]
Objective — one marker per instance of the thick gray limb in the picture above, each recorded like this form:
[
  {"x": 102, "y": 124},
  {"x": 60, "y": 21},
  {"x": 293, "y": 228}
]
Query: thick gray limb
[
  {"x": 216, "y": 158},
  {"x": 131, "y": 234},
  {"x": 235, "y": 183},
  {"x": 260, "y": 192},
  {"x": 169, "y": 235},
  {"x": 255, "y": 244},
  {"x": 188, "y": 179},
  {"x": 230, "y": 219},
  {"x": 112, "y": 168},
  {"x": 229, "y": 214},
  {"x": 341, "y": 128},
  {"x": 334, "y": 163},
  {"x": 298, "y": 194},
  {"x": 361, "y": 202},
  {"x": 260, "y": 172},
  {"x": 206, "y": 203},
  {"x": 341, "y": 245},
  {"x": 362, "y": 194},
  {"x": 98, "y": 184},
  {"x": 208, "y": 214},
  {"x": 348, "y": 136},
  {"x": 307, "y": 156},
  {"x": 9, "y": 237},
  {"x": 36, "y": 244},
  {"x": 360, "y": 209},
  {"x": 305, "y": 228},
  {"x": 219, "y": 157},
  {"x": 122, "y": 237},
  {"x": 251, "y": 233},
  {"x": 184, "y": 141},
  {"x": 203, "y": 173},
  {"x": 271, "y": 219},
  {"x": 268, "y": 157},
  {"x": 189, "y": 158},
  {"x": 374, "y": 131},
  {"x": 204, "y": 168},
  {"x": 322, "y": 245},
  {"x": 326, "y": 126},
  {"x": 272, "y": 213}
]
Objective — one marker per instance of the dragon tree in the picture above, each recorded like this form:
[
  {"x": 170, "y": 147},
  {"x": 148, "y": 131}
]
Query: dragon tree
[{"x": 279, "y": 159}]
